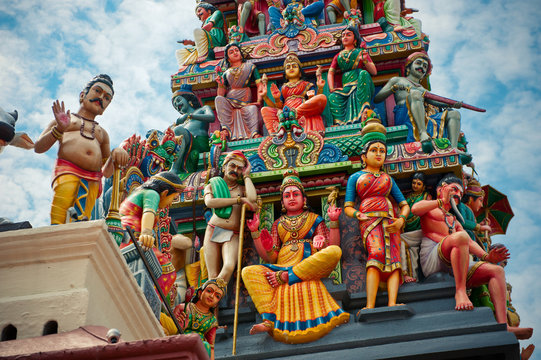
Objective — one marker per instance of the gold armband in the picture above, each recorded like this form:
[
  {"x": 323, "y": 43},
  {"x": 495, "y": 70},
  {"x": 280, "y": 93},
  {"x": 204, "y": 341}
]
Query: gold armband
[
  {"x": 57, "y": 134},
  {"x": 477, "y": 227},
  {"x": 256, "y": 234},
  {"x": 334, "y": 224}
]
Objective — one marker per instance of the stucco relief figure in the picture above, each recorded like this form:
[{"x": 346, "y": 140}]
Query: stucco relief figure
[
  {"x": 197, "y": 316},
  {"x": 225, "y": 197},
  {"x": 382, "y": 215},
  {"x": 299, "y": 251},
  {"x": 446, "y": 247},
  {"x": 206, "y": 39},
  {"x": 424, "y": 123},
  {"x": 84, "y": 155},
  {"x": 297, "y": 94},
  {"x": 238, "y": 115},
  {"x": 347, "y": 103}
]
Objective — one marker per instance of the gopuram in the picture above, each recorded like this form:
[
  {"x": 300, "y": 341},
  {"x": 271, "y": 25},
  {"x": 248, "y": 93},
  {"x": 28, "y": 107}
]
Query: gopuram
[{"x": 315, "y": 197}]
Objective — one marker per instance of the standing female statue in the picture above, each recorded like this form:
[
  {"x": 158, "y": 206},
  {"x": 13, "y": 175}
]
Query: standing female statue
[{"x": 378, "y": 216}]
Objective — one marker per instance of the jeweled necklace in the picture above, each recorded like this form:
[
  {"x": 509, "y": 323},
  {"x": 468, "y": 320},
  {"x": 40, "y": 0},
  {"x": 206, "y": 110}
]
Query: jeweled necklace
[
  {"x": 346, "y": 54},
  {"x": 82, "y": 130},
  {"x": 235, "y": 71},
  {"x": 447, "y": 214}
]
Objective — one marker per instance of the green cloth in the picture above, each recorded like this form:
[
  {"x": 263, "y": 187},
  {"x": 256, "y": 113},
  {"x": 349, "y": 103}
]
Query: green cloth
[
  {"x": 413, "y": 222},
  {"x": 357, "y": 88},
  {"x": 220, "y": 190},
  {"x": 216, "y": 34}
]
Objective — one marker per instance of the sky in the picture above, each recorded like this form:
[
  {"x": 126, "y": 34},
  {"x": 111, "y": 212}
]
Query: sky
[{"x": 483, "y": 53}]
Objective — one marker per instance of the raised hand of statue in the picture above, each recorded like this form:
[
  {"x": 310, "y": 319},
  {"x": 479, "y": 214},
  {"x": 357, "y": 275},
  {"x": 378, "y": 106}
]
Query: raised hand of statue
[
  {"x": 62, "y": 118},
  {"x": 396, "y": 225},
  {"x": 266, "y": 240},
  {"x": 334, "y": 212},
  {"x": 220, "y": 80},
  {"x": 319, "y": 78},
  {"x": 319, "y": 242},
  {"x": 498, "y": 255},
  {"x": 275, "y": 91},
  {"x": 186, "y": 42},
  {"x": 253, "y": 224},
  {"x": 181, "y": 316}
]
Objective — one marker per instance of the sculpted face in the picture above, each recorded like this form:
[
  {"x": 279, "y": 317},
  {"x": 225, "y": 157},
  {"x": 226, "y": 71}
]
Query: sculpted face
[
  {"x": 97, "y": 99},
  {"x": 455, "y": 192},
  {"x": 476, "y": 204},
  {"x": 233, "y": 170},
  {"x": 292, "y": 70},
  {"x": 233, "y": 54},
  {"x": 417, "y": 186},
  {"x": 348, "y": 38},
  {"x": 211, "y": 296},
  {"x": 293, "y": 199},
  {"x": 419, "y": 68},
  {"x": 167, "y": 199},
  {"x": 181, "y": 104},
  {"x": 202, "y": 13},
  {"x": 375, "y": 157}
]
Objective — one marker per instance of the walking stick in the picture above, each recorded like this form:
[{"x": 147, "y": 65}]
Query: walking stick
[
  {"x": 239, "y": 263},
  {"x": 154, "y": 280}
]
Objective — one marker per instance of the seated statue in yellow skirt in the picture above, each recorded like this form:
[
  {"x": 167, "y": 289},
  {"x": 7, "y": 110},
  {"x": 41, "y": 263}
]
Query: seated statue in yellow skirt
[{"x": 300, "y": 251}]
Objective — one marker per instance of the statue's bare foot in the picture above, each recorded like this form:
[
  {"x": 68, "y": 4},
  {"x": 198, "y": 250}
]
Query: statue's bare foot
[
  {"x": 395, "y": 304},
  {"x": 527, "y": 352},
  {"x": 463, "y": 302},
  {"x": 265, "y": 326},
  {"x": 277, "y": 278},
  {"x": 409, "y": 279},
  {"x": 521, "y": 333}
]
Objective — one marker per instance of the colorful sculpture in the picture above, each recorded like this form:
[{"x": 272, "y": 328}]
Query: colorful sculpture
[
  {"x": 423, "y": 124},
  {"x": 238, "y": 116},
  {"x": 336, "y": 8},
  {"x": 471, "y": 204},
  {"x": 348, "y": 102},
  {"x": 193, "y": 125},
  {"x": 418, "y": 193},
  {"x": 140, "y": 212},
  {"x": 225, "y": 197},
  {"x": 8, "y": 136},
  {"x": 253, "y": 16},
  {"x": 197, "y": 316},
  {"x": 300, "y": 250},
  {"x": 378, "y": 217},
  {"x": 83, "y": 152},
  {"x": 206, "y": 39},
  {"x": 446, "y": 247},
  {"x": 296, "y": 94}
]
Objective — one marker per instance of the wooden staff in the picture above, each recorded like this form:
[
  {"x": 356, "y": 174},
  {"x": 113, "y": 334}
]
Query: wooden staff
[
  {"x": 239, "y": 263},
  {"x": 113, "y": 217}
]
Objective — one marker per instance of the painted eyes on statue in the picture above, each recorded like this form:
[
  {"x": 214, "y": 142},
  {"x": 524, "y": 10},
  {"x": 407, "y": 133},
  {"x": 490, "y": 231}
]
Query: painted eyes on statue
[
  {"x": 377, "y": 150},
  {"x": 211, "y": 292},
  {"x": 98, "y": 90}
]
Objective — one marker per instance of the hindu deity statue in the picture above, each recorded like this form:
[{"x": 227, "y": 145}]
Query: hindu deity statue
[
  {"x": 299, "y": 251},
  {"x": 238, "y": 115},
  {"x": 348, "y": 102},
  {"x": 210, "y": 35},
  {"x": 296, "y": 94},
  {"x": 379, "y": 219},
  {"x": 418, "y": 193},
  {"x": 197, "y": 316},
  {"x": 139, "y": 211}
]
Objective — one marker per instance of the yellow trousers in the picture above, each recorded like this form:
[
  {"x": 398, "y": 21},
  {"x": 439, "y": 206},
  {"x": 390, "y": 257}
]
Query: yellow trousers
[{"x": 70, "y": 190}]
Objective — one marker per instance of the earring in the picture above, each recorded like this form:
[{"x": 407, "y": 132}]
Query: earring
[
  {"x": 305, "y": 207},
  {"x": 283, "y": 208}
]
